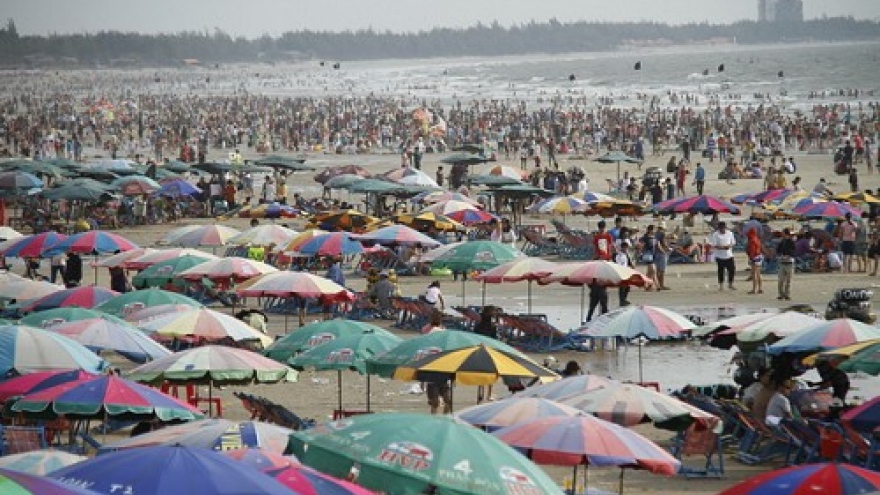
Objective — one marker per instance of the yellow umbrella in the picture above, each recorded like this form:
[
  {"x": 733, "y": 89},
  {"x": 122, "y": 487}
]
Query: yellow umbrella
[
  {"x": 857, "y": 198},
  {"x": 421, "y": 221},
  {"x": 475, "y": 365},
  {"x": 841, "y": 352}
]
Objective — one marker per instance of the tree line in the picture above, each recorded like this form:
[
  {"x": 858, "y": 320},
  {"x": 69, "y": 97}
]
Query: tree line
[{"x": 105, "y": 47}]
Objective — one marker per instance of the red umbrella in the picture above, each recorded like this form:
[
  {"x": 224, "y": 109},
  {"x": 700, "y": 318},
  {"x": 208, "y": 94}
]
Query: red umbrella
[
  {"x": 696, "y": 204},
  {"x": 825, "y": 478},
  {"x": 40, "y": 380},
  {"x": 307, "y": 481},
  {"x": 332, "y": 244},
  {"x": 80, "y": 297},
  {"x": 32, "y": 246},
  {"x": 528, "y": 269},
  {"x": 92, "y": 242},
  {"x": 598, "y": 271}
]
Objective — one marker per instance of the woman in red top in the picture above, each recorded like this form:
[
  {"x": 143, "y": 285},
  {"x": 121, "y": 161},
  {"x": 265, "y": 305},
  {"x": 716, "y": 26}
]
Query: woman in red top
[{"x": 755, "y": 252}]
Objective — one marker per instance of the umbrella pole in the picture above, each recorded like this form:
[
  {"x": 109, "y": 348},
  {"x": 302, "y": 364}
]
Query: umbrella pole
[
  {"x": 530, "y": 296},
  {"x": 621, "y": 482},
  {"x": 104, "y": 428},
  {"x": 574, "y": 480},
  {"x": 210, "y": 398},
  {"x": 484, "y": 293},
  {"x": 339, "y": 389},
  {"x": 96, "y": 269},
  {"x": 462, "y": 287},
  {"x": 583, "y": 290},
  {"x": 641, "y": 378},
  {"x": 368, "y": 392}
]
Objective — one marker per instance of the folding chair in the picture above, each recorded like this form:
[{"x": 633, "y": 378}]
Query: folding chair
[
  {"x": 19, "y": 439},
  {"x": 700, "y": 441}
]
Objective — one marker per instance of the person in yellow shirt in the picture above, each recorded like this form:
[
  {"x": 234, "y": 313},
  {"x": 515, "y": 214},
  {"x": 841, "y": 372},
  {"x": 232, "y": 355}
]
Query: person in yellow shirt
[
  {"x": 779, "y": 181},
  {"x": 281, "y": 190}
]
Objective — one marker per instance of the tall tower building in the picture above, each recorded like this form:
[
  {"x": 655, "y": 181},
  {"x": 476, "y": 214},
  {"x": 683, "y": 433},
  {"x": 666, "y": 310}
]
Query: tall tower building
[{"x": 789, "y": 11}]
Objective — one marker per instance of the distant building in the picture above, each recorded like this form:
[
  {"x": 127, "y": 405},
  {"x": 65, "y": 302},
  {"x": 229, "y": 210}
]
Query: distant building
[{"x": 780, "y": 11}]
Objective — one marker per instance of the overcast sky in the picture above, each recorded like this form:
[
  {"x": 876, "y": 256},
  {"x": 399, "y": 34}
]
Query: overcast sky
[{"x": 253, "y": 18}]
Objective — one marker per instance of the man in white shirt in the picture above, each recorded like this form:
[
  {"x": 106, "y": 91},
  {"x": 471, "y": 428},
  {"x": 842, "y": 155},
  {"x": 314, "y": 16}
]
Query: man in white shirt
[
  {"x": 624, "y": 258},
  {"x": 722, "y": 241}
]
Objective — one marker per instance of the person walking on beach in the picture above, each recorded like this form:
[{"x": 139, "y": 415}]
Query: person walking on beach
[
  {"x": 661, "y": 256},
  {"x": 700, "y": 178},
  {"x": 623, "y": 258},
  {"x": 847, "y": 232},
  {"x": 603, "y": 243},
  {"x": 755, "y": 252},
  {"x": 722, "y": 241},
  {"x": 785, "y": 252}
]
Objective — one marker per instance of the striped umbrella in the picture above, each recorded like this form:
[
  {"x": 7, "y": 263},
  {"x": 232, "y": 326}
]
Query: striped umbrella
[
  {"x": 125, "y": 304},
  {"x": 293, "y": 245},
  {"x": 178, "y": 188},
  {"x": 159, "y": 255},
  {"x": 264, "y": 235},
  {"x": 315, "y": 334},
  {"x": 204, "y": 323},
  {"x": 450, "y": 206},
  {"x": 38, "y": 462},
  {"x": 146, "y": 314},
  {"x": 343, "y": 181},
  {"x": 599, "y": 272},
  {"x": 332, "y": 244},
  {"x": 113, "y": 334},
  {"x": 628, "y": 404},
  {"x": 563, "y": 389},
  {"x": 839, "y": 353},
  {"x": 696, "y": 204},
  {"x": 597, "y": 197},
  {"x": 106, "y": 395},
  {"x": 518, "y": 270},
  {"x": 476, "y": 255},
  {"x": 475, "y": 365},
  {"x": 231, "y": 268},
  {"x": 493, "y": 415},
  {"x": 136, "y": 185},
  {"x": 16, "y": 181},
  {"x": 472, "y": 217},
  {"x": 398, "y": 235},
  {"x": 588, "y": 441},
  {"x": 505, "y": 171},
  {"x": 827, "y": 335},
  {"x": 865, "y": 417},
  {"x": 294, "y": 284},
  {"x": 119, "y": 260},
  {"x": 80, "y": 297},
  {"x": 27, "y": 289},
  {"x": 203, "y": 235},
  {"x": 825, "y": 478},
  {"x": 857, "y": 198},
  {"x": 269, "y": 210},
  {"x": 308, "y": 481},
  {"x": 215, "y": 365},
  {"x": 91, "y": 242},
  {"x": 262, "y": 459},
  {"x": 827, "y": 209},
  {"x": 7, "y": 233},
  {"x": 26, "y": 349},
  {"x": 773, "y": 328},
  {"x": 51, "y": 317},
  {"x": 39, "y": 380},
  {"x": 32, "y": 246},
  {"x": 166, "y": 272},
  {"x": 18, "y": 483},
  {"x": 212, "y": 433},
  {"x": 565, "y": 205},
  {"x": 425, "y": 221},
  {"x": 442, "y": 196},
  {"x": 866, "y": 360},
  {"x": 347, "y": 220}
]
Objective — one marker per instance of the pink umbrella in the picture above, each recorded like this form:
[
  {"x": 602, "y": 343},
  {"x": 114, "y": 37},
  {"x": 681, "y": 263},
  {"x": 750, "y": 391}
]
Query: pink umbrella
[
  {"x": 397, "y": 235},
  {"x": 299, "y": 285},
  {"x": 307, "y": 481},
  {"x": 440, "y": 197},
  {"x": 528, "y": 269},
  {"x": 598, "y": 271},
  {"x": 119, "y": 260},
  {"x": 203, "y": 235},
  {"x": 80, "y": 297},
  {"x": 234, "y": 268},
  {"x": 157, "y": 256}
]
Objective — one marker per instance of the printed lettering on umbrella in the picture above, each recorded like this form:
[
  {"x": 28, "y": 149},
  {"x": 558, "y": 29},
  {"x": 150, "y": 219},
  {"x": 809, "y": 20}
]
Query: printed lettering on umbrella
[
  {"x": 408, "y": 455},
  {"x": 518, "y": 483}
]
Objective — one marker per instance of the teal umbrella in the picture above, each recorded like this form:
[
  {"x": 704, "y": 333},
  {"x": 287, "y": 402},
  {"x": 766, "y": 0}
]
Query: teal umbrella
[
  {"x": 285, "y": 162},
  {"x": 493, "y": 180},
  {"x": 464, "y": 158},
  {"x": 315, "y": 334},
  {"x": 166, "y": 272},
  {"x": 57, "y": 316},
  {"x": 409, "y": 453},
  {"x": 125, "y": 304},
  {"x": 617, "y": 157},
  {"x": 475, "y": 255},
  {"x": 348, "y": 352}
]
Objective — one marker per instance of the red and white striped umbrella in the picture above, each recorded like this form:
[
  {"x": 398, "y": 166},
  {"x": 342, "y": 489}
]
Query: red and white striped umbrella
[
  {"x": 602, "y": 272},
  {"x": 234, "y": 268},
  {"x": 203, "y": 235},
  {"x": 295, "y": 284},
  {"x": 119, "y": 260},
  {"x": 264, "y": 235},
  {"x": 203, "y": 323},
  {"x": 160, "y": 255}
]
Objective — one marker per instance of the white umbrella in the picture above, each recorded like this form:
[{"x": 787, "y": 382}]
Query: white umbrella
[{"x": 264, "y": 235}]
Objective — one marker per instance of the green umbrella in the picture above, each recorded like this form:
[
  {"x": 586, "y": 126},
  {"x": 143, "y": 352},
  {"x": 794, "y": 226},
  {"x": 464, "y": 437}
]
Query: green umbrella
[
  {"x": 76, "y": 193},
  {"x": 866, "y": 360},
  {"x": 275, "y": 161},
  {"x": 522, "y": 190},
  {"x": 125, "y": 304},
  {"x": 315, "y": 334},
  {"x": 424, "y": 345},
  {"x": 493, "y": 180},
  {"x": 176, "y": 166},
  {"x": 166, "y": 272},
  {"x": 344, "y": 181},
  {"x": 410, "y": 453},
  {"x": 617, "y": 157},
  {"x": 348, "y": 352},
  {"x": 57, "y": 316},
  {"x": 475, "y": 255},
  {"x": 374, "y": 186},
  {"x": 464, "y": 158}
]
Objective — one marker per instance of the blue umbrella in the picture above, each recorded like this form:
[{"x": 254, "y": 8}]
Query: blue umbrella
[
  {"x": 162, "y": 470},
  {"x": 178, "y": 188}
]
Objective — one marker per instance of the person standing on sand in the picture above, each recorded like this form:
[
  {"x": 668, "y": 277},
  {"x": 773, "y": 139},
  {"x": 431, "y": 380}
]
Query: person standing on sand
[
  {"x": 785, "y": 252},
  {"x": 722, "y": 241},
  {"x": 623, "y": 258},
  {"x": 700, "y": 178},
  {"x": 847, "y": 232},
  {"x": 755, "y": 252}
]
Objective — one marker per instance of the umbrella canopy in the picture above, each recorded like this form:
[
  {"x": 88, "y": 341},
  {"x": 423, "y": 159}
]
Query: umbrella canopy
[
  {"x": 565, "y": 205},
  {"x": 411, "y": 177},
  {"x": 88, "y": 192},
  {"x": 315, "y": 334},
  {"x": 407, "y": 453},
  {"x": 493, "y": 415},
  {"x": 332, "y": 244},
  {"x": 628, "y": 404},
  {"x": 178, "y": 188},
  {"x": 204, "y": 323},
  {"x": 830, "y": 478},
  {"x": 268, "y": 210},
  {"x": 475, "y": 365},
  {"x": 417, "y": 348},
  {"x": 39, "y": 462},
  {"x": 166, "y": 272},
  {"x": 26, "y": 349},
  {"x": 563, "y": 389},
  {"x": 476, "y": 255},
  {"x": 573, "y": 440},
  {"x": 39, "y": 380},
  {"x": 650, "y": 322},
  {"x": 866, "y": 360},
  {"x": 231, "y": 268},
  {"x": 294, "y": 284},
  {"x": 125, "y": 304},
  {"x": 864, "y": 418},
  {"x": 472, "y": 217},
  {"x": 442, "y": 196},
  {"x": 343, "y": 181},
  {"x": 732, "y": 322},
  {"x": 493, "y": 181},
  {"x": 106, "y": 395},
  {"x": 378, "y": 186},
  {"x": 464, "y": 158},
  {"x": 310, "y": 482},
  {"x": 151, "y": 257},
  {"x": 451, "y": 206},
  {"x": 119, "y": 260},
  {"x": 80, "y": 297},
  {"x": 263, "y": 459},
  {"x": 113, "y": 334},
  {"x": 838, "y": 353},
  {"x": 204, "y": 235},
  {"x": 135, "y": 185},
  {"x": 425, "y": 221},
  {"x": 517, "y": 270},
  {"x": 617, "y": 157},
  {"x": 172, "y": 469},
  {"x": 264, "y": 235},
  {"x": 18, "y": 483},
  {"x": 152, "y": 312},
  {"x": 826, "y": 209},
  {"x": 857, "y": 198},
  {"x": 57, "y": 316},
  {"x": 7, "y": 233},
  {"x": 618, "y": 207},
  {"x": 18, "y": 182},
  {"x": 704, "y": 204},
  {"x": 285, "y": 162},
  {"x": 92, "y": 242},
  {"x": 32, "y": 246},
  {"x": 827, "y": 335},
  {"x": 213, "y": 364},
  {"x": 599, "y": 272},
  {"x": 214, "y": 434},
  {"x": 397, "y": 235},
  {"x": 347, "y": 220},
  {"x": 348, "y": 351},
  {"x": 293, "y": 245},
  {"x": 506, "y": 171},
  {"x": 775, "y": 327},
  {"x": 27, "y": 289},
  {"x": 328, "y": 173}
]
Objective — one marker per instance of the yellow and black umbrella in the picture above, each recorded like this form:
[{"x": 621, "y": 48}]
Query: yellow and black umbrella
[
  {"x": 348, "y": 220},
  {"x": 840, "y": 353},
  {"x": 617, "y": 207},
  {"x": 426, "y": 220},
  {"x": 857, "y": 198},
  {"x": 475, "y": 365}
]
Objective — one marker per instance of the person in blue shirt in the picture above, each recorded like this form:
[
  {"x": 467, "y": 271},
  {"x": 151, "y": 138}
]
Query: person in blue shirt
[
  {"x": 699, "y": 178},
  {"x": 335, "y": 272}
]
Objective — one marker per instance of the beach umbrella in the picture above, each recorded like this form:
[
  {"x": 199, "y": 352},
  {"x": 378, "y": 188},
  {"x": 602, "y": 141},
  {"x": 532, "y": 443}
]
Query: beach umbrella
[
  {"x": 231, "y": 268},
  {"x": 51, "y": 317},
  {"x": 91, "y": 242},
  {"x": 827, "y": 335},
  {"x": 605, "y": 273},
  {"x": 213, "y": 433},
  {"x": 213, "y": 364},
  {"x": 506, "y": 171},
  {"x": 409, "y": 453},
  {"x": 347, "y": 220},
  {"x": 838, "y": 353},
  {"x": 112, "y": 334},
  {"x": 264, "y": 235},
  {"x": 617, "y": 157},
  {"x": 827, "y": 478},
  {"x": 857, "y": 198},
  {"x": 346, "y": 352},
  {"x": 472, "y": 217},
  {"x": 105, "y": 396},
  {"x": 443, "y": 196},
  {"x": 426, "y": 221},
  {"x": 629, "y": 404},
  {"x": 343, "y": 181},
  {"x": 178, "y": 188},
  {"x": 18, "y": 182},
  {"x": 269, "y": 210},
  {"x": 88, "y": 193},
  {"x": 865, "y": 417},
  {"x": 419, "y": 347},
  {"x": 728, "y": 323},
  {"x": 172, "y": 469},
  {"x": 293, "y": 245},
  {"x": 176, "y": 166},
  {"x": 563, "y": 389},
  {"x": 119, "y": 260},
  {"x": 865, "y": 360},
  {"x": 774, "y": 328},
  {"x": 39, "y": 380},
  {"x": 412, "y": 177},
  {"x": 565, "y": 205},
  {"x": 166, "y": 272},
  {"x": 464, "y": 159},
  {"x": 330, "y": 172},
  {"x": 826, "y": 209},
  {"x": 395, "y": 235},
  {"x": 152, "y": 312},
  {"x": 32, "y": 246},
  {"x": 125, "y": 304},
  {"x": 263, "y": 459},
  {"x": 618, "y": 207},
  {"x": 520, "y": 269},
  {"x": 136, "y": 185},
  {"x": 203, "y": 323},
  {"x": 704, "y": 204},
  {"x": 285, "y": 162},
  {"x": 493, "y": 415},
  {"x": 27, "y": 289},
  {"x": 575, "y": 440},
  {"x": 26, "y": 349},
  {"x": 204, "y": 235},
  {"x": 376, "y": 186},
  {"x": 18, "y": 483},
  {"x": 7, "y": 233},
  {"x": 451, "y": 206},
  {"x": 38, "y": 462},
  {"x": 332, "y": 244},
  {"x": 492, "y": 181},
  {"x": 315, "y": 334},
  {"x": 159, "y": 255},
  {"x": 80, "y": 297},
  {"x": 308, "y": 481},
  {"x": 294, "y": 284},
  {"x": 475, "y": 255}
]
